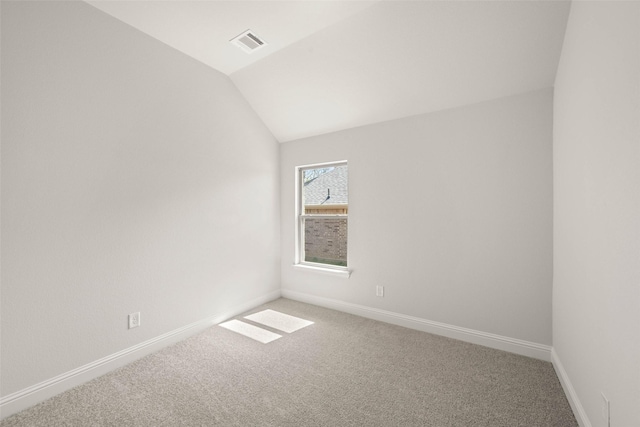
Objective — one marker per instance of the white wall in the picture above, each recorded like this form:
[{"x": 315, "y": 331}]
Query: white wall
[
  {"x": 451, "y": 212},
  {"x": 133, "y": 179},
  {"x": 596, "y": 291}
]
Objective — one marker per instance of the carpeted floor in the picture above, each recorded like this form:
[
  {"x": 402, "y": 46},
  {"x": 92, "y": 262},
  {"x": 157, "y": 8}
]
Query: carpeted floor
[{"x": 342, "y": 370}]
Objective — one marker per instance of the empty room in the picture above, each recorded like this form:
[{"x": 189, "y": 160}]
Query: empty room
[{"x": 320, "y": 213}]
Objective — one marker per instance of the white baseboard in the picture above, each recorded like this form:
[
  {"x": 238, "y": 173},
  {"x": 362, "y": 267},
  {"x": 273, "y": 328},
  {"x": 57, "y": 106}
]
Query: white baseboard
[
  {"x": 569, "y": 391},
  {"x": 37, "y": 393},
  {"x": 512, "y": 345}
]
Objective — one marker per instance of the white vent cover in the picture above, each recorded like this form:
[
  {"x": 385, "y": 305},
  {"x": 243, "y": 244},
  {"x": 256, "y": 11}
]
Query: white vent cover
[{"x": 248, "y": 41}]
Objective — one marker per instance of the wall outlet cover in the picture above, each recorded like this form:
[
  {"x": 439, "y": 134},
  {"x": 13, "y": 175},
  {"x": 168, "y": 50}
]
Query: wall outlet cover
[{"x": 134, "y": 320}]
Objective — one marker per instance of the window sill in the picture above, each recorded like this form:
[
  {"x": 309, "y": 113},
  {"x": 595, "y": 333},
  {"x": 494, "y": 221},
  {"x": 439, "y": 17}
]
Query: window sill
[{"x": 344, "y": 273}]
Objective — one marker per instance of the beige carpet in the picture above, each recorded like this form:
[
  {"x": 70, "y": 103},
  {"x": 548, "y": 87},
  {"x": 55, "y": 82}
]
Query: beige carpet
[{"x": 342, "y": 370}]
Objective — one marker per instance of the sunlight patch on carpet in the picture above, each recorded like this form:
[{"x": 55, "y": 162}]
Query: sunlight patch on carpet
[
  {"x": 280, "y": 321},
  {"x": 258, "y": 334}
]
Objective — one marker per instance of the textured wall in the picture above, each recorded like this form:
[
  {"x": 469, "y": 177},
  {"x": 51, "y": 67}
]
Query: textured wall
[
  {"x": 131, "y": 178},
  {"x": 596, "y": 155},
  {"x": 451, "y": 212}
]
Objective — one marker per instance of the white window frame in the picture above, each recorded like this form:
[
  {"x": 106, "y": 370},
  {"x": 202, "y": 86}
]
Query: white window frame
[{"x": 299, "y": 232}]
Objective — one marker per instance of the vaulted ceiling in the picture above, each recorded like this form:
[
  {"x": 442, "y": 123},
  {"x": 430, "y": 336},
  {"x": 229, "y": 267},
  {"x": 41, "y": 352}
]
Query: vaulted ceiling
[{"x": 332, "y": 65}]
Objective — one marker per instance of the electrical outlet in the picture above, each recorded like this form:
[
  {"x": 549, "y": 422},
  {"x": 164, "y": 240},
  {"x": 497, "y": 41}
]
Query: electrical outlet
[
  {"x": 134, "y": 320},
  {"x": 379, "y": 291},
  {"x": 606, "y": 410}
]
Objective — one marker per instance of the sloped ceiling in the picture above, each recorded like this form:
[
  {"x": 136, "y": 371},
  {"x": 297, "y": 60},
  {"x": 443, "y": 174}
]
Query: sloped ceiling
[
  {"x": 333, "y": 65},
  {"x": 202, "y": 28}
]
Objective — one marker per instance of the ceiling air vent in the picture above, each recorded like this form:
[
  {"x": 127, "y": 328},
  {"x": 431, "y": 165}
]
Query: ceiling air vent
[{"x": 248, "y": 41}]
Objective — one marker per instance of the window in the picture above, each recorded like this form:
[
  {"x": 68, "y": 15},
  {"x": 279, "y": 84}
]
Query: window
[{"x": 322, "y": 211}]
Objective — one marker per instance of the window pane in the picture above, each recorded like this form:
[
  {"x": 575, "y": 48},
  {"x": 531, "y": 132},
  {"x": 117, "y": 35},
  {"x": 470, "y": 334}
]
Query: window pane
[
  {"x": 325, "y": 240},
  {"x": 325, "y": 190}
]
